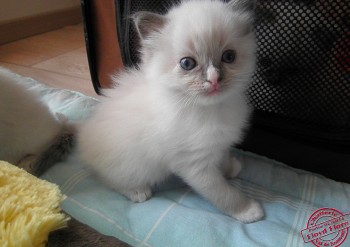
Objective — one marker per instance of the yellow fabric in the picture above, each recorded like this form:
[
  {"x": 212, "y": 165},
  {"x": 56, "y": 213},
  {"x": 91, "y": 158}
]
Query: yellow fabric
[{"x": 29, "y": 208}]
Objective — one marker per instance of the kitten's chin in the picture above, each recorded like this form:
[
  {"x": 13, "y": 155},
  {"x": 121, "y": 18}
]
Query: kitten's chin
[{"x": 212, "y": 98}]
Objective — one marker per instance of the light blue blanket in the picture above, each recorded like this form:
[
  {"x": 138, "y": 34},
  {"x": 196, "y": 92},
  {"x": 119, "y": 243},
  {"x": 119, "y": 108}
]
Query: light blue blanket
[{"x": 176, "y": 216}]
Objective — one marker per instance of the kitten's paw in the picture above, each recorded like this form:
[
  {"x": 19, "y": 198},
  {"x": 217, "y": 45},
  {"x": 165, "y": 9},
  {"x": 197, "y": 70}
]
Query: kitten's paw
[
  {"x": 234, "y": 168},
  {"x": 139, "y": 195},
  {"x": 251, "y": 213}
]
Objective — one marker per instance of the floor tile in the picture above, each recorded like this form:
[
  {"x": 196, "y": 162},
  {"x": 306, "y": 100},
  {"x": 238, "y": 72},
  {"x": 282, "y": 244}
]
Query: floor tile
[
  {"x": 52, "y": 79},
  {"x": 41, "y": 47},
  {"x": 72, "y": 63}
]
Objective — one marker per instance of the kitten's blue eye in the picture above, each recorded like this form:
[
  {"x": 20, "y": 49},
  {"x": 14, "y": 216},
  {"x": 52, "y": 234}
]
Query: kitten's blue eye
[
  {"x": 188, "y": 63},
  {"x": 228, "y": 56}
]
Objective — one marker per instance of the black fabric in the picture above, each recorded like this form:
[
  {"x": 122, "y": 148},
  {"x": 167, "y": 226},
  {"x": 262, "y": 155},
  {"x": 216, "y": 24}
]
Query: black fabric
[
  {"x": 301, "y": 89},
  {"x": 90, "y": 42}
]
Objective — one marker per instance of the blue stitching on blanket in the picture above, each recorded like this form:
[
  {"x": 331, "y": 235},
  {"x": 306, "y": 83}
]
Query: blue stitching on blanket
[
  {"x": 102, "y": 216},
  {"x": 297, "y": 215},
  {"x": 154, "y": 227},
  {"x": 73, "y": 181},
  {"x": 305, "y": 208},
  {"x": 306, "y": 212},
  {"x": 263, "y": 194}
]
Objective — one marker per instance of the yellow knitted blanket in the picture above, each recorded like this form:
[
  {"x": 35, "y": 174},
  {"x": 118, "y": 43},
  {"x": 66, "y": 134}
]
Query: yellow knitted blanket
[{"x": 29, "y": 208}]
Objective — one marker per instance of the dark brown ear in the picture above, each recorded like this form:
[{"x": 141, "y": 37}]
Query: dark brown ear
[
  {"x": 147, "y": 23},
  {"x": 246, "y": 8},
  {"x": 243, "y": 5}
]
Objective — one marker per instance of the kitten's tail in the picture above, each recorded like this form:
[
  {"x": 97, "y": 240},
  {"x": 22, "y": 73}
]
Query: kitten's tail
[{"x": 58, "y": 150}]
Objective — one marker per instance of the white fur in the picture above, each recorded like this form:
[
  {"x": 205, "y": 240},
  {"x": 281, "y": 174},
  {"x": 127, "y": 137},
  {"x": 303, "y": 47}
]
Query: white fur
[
  {"x": 26, "y": 124},
  {"x": 159, "y": 120}
]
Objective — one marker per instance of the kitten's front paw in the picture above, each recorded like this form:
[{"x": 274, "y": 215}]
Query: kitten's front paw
[
  {"x": 250, "y": 213},
  {"x": 139, "y": 195}
]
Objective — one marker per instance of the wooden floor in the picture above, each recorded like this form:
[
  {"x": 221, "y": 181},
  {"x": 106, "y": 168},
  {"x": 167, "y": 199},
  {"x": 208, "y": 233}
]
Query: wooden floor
[{"x": 57, "y": 58}]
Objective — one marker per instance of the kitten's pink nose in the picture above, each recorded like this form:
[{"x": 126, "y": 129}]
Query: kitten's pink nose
[
  {"x": 213, "y": 77},
  {"x": 215, "y": 86}
]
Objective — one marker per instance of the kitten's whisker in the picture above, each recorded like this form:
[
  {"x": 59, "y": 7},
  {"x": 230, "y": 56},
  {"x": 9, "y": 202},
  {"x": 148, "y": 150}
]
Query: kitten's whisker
[
  {"x": 182, "y": 99},
  {"x": 185, "y": 100},
  {"x": 179, "y": 100},
  {"x": 194, "y": 101},
  {"x": 182, "y": 102},
  {"x": 188, "y": 99},
  {"x": 243, "y": 75}
]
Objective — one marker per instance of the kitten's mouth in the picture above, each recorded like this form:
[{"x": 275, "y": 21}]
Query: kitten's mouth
[
  {"x": 213, "y": 91},
  {"x": 213, "y": 88}
]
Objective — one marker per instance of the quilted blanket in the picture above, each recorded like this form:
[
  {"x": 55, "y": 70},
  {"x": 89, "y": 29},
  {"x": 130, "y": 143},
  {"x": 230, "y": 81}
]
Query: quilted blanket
[{"x": 302, "y": 208}]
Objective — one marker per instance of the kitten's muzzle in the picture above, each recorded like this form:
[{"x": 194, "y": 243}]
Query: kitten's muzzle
[
  {"x": 212, "y": 87},
  {"x": 212, "y": 84}
]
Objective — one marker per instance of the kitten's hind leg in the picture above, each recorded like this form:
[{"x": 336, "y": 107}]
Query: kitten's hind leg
[
  {"x": 138, "y": 195},
  {"x": 231, "y": 167}
]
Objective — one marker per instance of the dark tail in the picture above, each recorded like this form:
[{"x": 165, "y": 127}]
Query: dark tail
[{"x": 58, "y": 151}]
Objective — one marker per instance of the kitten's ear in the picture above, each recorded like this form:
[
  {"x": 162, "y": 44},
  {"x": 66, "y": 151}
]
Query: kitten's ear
[
  {"x": 246, "y": 8},
  {"x": 147, "y": 23},
  {"x": 243, "y": 5}
]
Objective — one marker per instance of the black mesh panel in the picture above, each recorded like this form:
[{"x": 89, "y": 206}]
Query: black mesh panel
[{"x": 303, "y": 70}]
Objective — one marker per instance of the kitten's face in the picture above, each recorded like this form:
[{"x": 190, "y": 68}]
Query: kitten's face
[{"x": 205, "y": 50}]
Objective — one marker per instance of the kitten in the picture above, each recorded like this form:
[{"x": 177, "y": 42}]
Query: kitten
[
  {"x": 31, "y": 136},
  {"x": 182, "y": 109}
]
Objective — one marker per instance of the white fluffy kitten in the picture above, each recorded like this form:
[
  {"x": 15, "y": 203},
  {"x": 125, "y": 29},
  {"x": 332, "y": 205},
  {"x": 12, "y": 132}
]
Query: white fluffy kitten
[
  {"x": 182, "y": 109},
  {"x": 30, "y": 135}
]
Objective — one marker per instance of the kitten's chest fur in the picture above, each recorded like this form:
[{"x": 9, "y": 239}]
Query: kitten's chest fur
[{"x": 201, "y": 128}]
